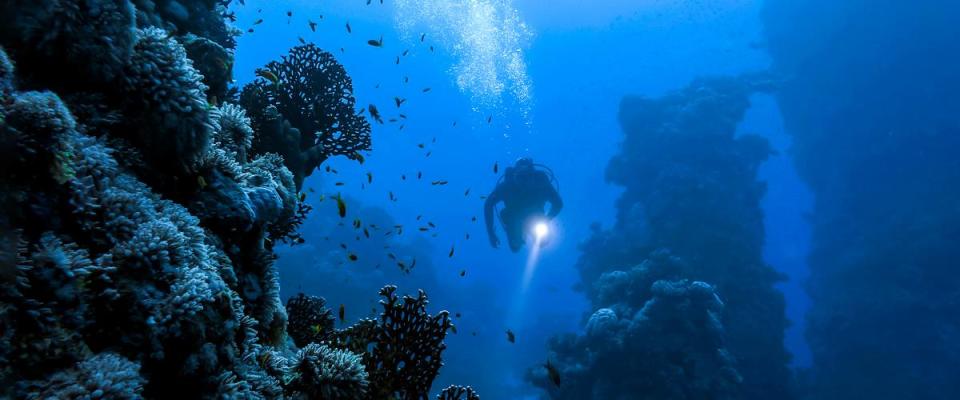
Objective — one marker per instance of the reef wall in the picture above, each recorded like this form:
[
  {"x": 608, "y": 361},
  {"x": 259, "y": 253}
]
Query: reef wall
[
  {"x": 141, "y": 206},
  {"x": 685, "y": 306},
  {"x": 870, "y": 99}
]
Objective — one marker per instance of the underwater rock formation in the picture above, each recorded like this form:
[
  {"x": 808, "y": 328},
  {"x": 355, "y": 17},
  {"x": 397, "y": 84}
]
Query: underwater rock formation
[
  {"x": 139, "y": 222},
  {"x": 871, "y": 106},
  {"x": 685, "y": 306},
  {"x": 305, "y": 109}
]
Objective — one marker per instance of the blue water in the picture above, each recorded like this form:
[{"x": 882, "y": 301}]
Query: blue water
[{"x": 550, "y": 78}]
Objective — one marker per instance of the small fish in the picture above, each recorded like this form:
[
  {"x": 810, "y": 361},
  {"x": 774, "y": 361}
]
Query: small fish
[
  {"x": 342, "y": 313},
  {"x": 341, "y": 206},
  {"x": 422, "y": 36},
  {"x": 553, "y": 373},
  {"x": 398, "y": 60},
  {"x": 301, "y": 40},
  {"x": 268, "y": 75},
  {"x": 406, "y": 79},
  {"x": 258, "y": 22},
  {"x": 457, "y": 315},
  {"x": 431, "y": 48},
  {"x": 511, "y": 337},
  {"x": 450, "y": 255},
  {"x": 424, "y": 229},
  {"x": 454, "y": 124},
  {"x": 376, "y": 42},
  {"x": 289, "y": 13},
  {"x": 474, "y": 219},
  {"x": 349, "y": 30},
  {"x": 463, "y": 272},
  {"x": 250, "y": 30},
  {"x": 352, "y": 257},
  {"x": 374, "y": 113},
  {"x": 453, "y": 328},
  {"x": 419, "y": 174},
  {"x": 313, "y": 25},
  {"x": 432, "y": 225},
  {"x": 439, "y": 182},
  {"x": 402, "y": 116},
  {"x": 466, "y": 192},
  {"x": 303, "y": 196},
  {"x": 391, "y": 256},
  {"x": 405, "y": 52},
  {"x": 315, "y": 329},
  {"x": 392, "y": 197},
  {"x": 356, "y": 223},
  {"x": 366, "y": 233},
  {"x": 369, "y": 177},
  {"x": 421, "y": 145},
  {"x": 399, "y": 101},
  {"x": 403, "y": 177},
  {"x": 428, "y": 154},
  {"x": 466, "y": 237},
  {"x": 496, "y": 167},
  {"x": 425, "y": 90},
  {"x": 401, "y": 127},
  {"x": 489, "y": 118},
  {"x": 419, "y": 217},
  {"x": 338, "y": 184},
  {"x": 359, "y": 157},
  {"x": 343, "y": 246}
]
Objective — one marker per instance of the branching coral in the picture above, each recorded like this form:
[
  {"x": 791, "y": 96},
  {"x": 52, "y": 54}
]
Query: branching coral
[
  {"x": 401, "y": 350},
  {"x": 455, "y": 392},
  {"x": 312, "y": 91},
  {"x": 310, "y": 319},
  {"x": 407, "y": 345}
]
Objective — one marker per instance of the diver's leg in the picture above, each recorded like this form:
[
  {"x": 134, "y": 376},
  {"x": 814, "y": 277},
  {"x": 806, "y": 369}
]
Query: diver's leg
[{"x": 513, "y": 227}]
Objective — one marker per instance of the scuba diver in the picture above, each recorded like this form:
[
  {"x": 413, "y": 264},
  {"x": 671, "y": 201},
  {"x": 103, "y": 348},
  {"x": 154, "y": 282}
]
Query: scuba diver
[{"x": 524, "y": 190}]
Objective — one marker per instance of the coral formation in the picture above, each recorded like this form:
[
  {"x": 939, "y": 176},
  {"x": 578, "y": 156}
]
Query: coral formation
[
  {"x": 139, "y": 221},
  {"x": 455, "y": 392},
  {"x": 304, "y": 108},
  {"x": 406, "y": 343},
  {"x": 689, "y": 222},
  {"x": 310, "y": 320},
  {"x": 873, "y": 119}
]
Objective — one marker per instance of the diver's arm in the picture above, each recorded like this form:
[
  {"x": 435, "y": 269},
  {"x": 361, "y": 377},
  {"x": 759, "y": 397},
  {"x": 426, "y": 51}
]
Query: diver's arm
[
  {"x": 556, "y": 203},
  {"x": 488, "y": 209}
]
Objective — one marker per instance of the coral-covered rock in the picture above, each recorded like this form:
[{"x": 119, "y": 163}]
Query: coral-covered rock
[
  {"x": 166, "y": 97},
  {"x": 690, "y": 214},
  {"x": 321, "y": 372},
  {"x": 103, "y": 376},
  {"x": 92, "y": 39}
]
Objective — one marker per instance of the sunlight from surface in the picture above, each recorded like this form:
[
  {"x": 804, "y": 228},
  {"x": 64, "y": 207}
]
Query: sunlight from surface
[{"x": 487, "y": 38}]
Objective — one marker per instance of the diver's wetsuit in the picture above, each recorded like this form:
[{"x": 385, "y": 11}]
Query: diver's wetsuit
[{"x": 524, "y": 193}]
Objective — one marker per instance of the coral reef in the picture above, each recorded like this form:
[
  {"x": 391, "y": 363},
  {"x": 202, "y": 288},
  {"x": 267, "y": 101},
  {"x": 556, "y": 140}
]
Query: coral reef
[
  {"x": 304, "y": 108},
  {"x": 873, "y": 118},
  {"x": 139, "y": 221},
  {"x": 689, "y": 222}
]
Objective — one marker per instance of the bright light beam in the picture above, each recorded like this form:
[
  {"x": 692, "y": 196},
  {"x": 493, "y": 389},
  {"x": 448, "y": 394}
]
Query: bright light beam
[{"x": 540, "y": 232}]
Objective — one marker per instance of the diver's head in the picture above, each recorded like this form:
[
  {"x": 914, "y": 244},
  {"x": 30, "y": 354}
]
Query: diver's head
[{"x": 523, "y": 163}]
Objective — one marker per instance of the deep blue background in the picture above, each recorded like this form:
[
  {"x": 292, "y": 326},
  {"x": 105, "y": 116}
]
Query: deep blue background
[{"x": 582, "y": 58}]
